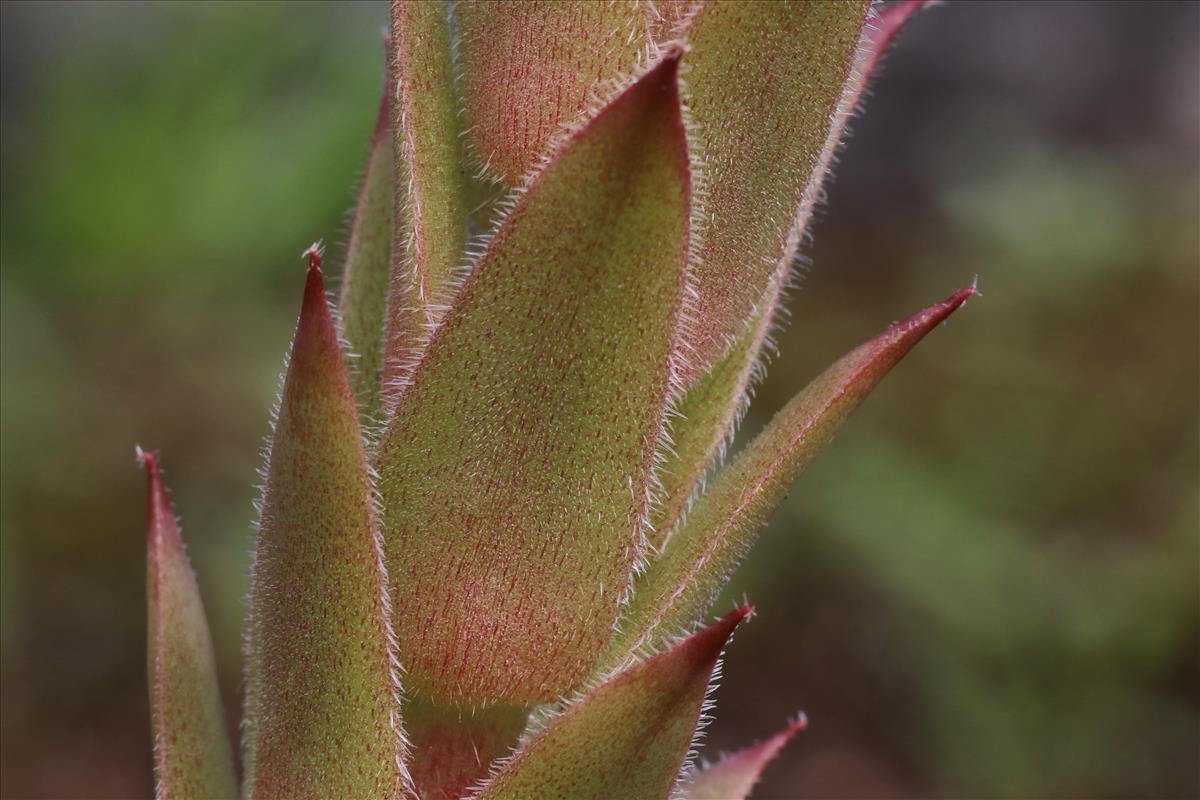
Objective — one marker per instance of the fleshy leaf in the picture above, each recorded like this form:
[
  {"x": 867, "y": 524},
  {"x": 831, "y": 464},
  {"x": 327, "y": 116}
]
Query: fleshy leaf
[
  {"x": 363, "y": 304},
  {"x": 734, "y": 776},
  {"x": 766, "y": 84},
  {"x": 192, "y": 757},
  {"x": 430, "y": 188},
  {"x": 516, "y": 471},
  {"x": 678, "y": 587},
  {"x": 627, "y": 738},
  {"x": 705, "y": 418},
  {"x": 710, "y": 409},
  {"x": 453, "y": 749},
  {"x": 530, "y": 66},
  {"x": 665, "y": 18},
  {"x": 322, "y": 713}
]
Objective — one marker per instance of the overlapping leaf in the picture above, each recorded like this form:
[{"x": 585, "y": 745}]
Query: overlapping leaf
[
  {"x": 734, "y": 776},
  {"x": 530, "y": 66},
  {"x": 682, "y": 583},
  {"x": 431, "y": 193},
  {"x": 363, "y": 303},
  {"x": 766, "y": 82},
  {"x": 321, "y": 713},
  {"x": 628, "y": 737},
  {"x": 192, "y": 758},
  {"x": 453, "y": 749},
  {"x": 515, "y": 473}
]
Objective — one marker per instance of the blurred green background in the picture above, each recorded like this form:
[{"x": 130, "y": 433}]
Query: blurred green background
[{"x": 989, "y": 587}]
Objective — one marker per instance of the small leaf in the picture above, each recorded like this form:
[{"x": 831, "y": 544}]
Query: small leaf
[
  {"x": 628, "y": 737},
  {"x": 516, "y": 471},
  {"x": 430, "y": 188},
  {"x": 453, "y": 750},
  {"x": 530, "y": 66},
  {"x": 678, "y": 587},
  {"x": 192, "y": 757},
  {"x": 766, "y": 84},
  {"x": 362, "y": 309},
  {"x": 322, "y": 718},
  {"x": 734, "y": 776}
]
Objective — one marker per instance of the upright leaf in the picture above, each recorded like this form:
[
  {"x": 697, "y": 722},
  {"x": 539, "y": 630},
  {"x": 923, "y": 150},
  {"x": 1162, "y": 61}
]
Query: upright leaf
[
  {"x": 192, "y": 758},
  {"x": 734, "y": 776},
  {"x": 322, "y": 718},
  {"x": 430, "y": 187},
  {"x": 515, "y": 473},
  {"x": 530, "y": 66},
  {"x": 363, "y": 304},
  {"x": 682, "y": 583},
  {"x": 627, "y": 738},
  {"x": 766, "y": 83}
]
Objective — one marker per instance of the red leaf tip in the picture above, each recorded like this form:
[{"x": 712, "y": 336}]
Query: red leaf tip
[{"x": 313, "y": 254}]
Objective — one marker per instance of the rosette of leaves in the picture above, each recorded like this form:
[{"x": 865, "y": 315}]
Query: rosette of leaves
[{"x": 494, "y": 516}]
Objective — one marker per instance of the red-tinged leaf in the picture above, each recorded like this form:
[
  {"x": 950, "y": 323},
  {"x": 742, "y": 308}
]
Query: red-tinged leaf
[
  {"x": 629, "y": 737},
  {"x": 766, "y": 93},
  {"x": 516, "y": 471},
  {"x": 734, "y": 776},
  {"x": 322, "y": 714},
  {"x": 430, "y": 188},
  {"x": 530, "y": 66},
  {"x": 711, "y": 407},
  {"x": 192, "y": 758},
  {"x": 363, "y": 303},
  {"x": 452, "y": 750},
  {"x": 706, "y": 416},
  {"x": 666, "y": 19},
  {"x": 679, "y": 587}
]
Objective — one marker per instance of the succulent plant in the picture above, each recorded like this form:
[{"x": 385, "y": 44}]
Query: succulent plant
[{"x": 492, "y": 523}]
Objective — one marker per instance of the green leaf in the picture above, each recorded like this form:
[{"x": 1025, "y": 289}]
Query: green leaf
[
  {"x": 678, "y": 588},
  {"x": 452, "y": 750},
  {"x": 766, "y": 85},
  {"x": 322, "y": 718},
  {"x": 530, "y": 67},
  {"x": 628, "y": 737},
  {"x": 430, "y": 188},
  {"x": 362, "y": 308},
  {"x": 192, "y": 758},
  {"x": 704, "y": 419},
  {"x": 734, "y": 776},
  {"x": 516, "y": 472}
]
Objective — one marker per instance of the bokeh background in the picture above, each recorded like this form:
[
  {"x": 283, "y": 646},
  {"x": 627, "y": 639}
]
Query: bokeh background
[{"x": 987, "y": 588}]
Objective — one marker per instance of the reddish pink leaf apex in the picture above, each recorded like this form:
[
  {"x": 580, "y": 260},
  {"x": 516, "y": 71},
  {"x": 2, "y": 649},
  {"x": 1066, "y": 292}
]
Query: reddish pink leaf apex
[
  {"x": 734, "y": 776},
  {"x": 878, "y": 35}
]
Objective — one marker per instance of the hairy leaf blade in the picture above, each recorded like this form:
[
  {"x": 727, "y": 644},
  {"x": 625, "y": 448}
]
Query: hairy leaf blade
[
  {"x": 192, "y": 757},
  {"x": 679, "y": 586},
  {"x": 766, "y": 84},
  {"x": 453, "y": 749},
  {"x": 734, "y": 776},
  {"x": 530, "y": 66},
  {"x": 515, "y": 473},
  {"x": 628, "y": 737},
  {"x": 322, "y": 715},
  {"x": 362, "y": 307},
  {"x": 430, "y": 187}
]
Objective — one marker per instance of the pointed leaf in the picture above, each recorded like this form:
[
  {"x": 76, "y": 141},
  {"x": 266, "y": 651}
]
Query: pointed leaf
[
  {"x": 322, "y": 718},
  {"x": 709, "y": 412},
  {"x": 766, "y": 84},
  {"x": 678, "y": 587},
  {"x": 452, "y": 750},
  {"x": 430, "y": 187},
  {"x": 516, "y": 471},
  {"x": 734, "y": 776},
  {"x": 530, "y": 66},
  {"x": 192, "y": 758},
  {"x": 627, "y": 738},
  {"x": 363, "y": 304}
]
